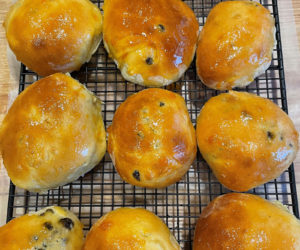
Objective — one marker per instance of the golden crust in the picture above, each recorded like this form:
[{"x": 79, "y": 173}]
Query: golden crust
[
  {"x": 53, "y": 36},
  {"x": 246, "y": 140},
  {"x": 152, "y": 141},
  {"x": 245, "y": 221},
  {"x": 130, "y": 228},
  {"x": 152, "y": 42},
  {"x": 235, "y": 45},
  {"x": 51, "y": 228},
  {"x": 52, "y": 134}
]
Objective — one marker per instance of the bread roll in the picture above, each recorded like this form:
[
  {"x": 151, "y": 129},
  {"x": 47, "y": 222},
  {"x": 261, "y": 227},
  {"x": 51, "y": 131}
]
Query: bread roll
[
  {"x": 152, "y": 141},
  {"x": 246, "y": 140},
  {"x": 52, "y": 134},
  {"x": 53, "y": 36},
  {"x": 235, "y": 45},
  {"x": 130, "y": 228},
  {"x": 246, "y": 221},
  {"x": 51, "y": 228},
  {"x": 152, "y": 42}
]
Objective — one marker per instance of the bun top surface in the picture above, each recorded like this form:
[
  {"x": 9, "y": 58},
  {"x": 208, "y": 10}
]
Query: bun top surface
[
  {"x": 152, "y": 133},
  {"x": 53, "y": 127},
  {"x": 53, "y": 36},
  {"x": 247, "y": 140},
  {"x": 153, "y": 39},
  {"x": 235, "y": 44},
  {"x": 130, "y": 228},
  {"x": 53, "y": 228},
  {"x": 246, "y": 221}
]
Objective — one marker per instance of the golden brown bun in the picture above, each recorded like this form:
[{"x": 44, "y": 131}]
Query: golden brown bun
[
  {"x": 52, "y": 134},
  {"x": 152, "y": 141},
  {"x": 235, "y": 45},
  {"x": 245, "y": 221},
  {"x": 51, "y": 228},
  {"x": 130, "y": 228},
  {"x": 53, "y": 36},
  {"x": 152, "y": 42},
  {"x": 246, "y": 140}
]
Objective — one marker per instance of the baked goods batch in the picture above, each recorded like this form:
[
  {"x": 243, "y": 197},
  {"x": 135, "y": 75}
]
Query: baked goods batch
[
  {"x": 130, "y": 228},
  {"x": 239, "y": 132},
  {"x": 153, "y": 42},
  {"x": 235, "y": 45},
  {"x": 152, "y": 140},
  {"x": 51, "y": 228},
  {"x": 54, "y": 133},
  {"x": 246, "y": 221},
  {"x": 53, "y": 36}
]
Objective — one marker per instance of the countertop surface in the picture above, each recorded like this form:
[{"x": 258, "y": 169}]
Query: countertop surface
[{"x": 289, "y": 12}]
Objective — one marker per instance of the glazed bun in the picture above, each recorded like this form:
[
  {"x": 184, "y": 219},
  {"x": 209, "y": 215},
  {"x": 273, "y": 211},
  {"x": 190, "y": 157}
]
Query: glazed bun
[
  {"x": 246, "y": 140},
  {"x": 246, "y": 221},
  {"x": 235, "y": 44},
  {"x": 130, "y": 228},
  {"x": 152, "y": 42},
  {"x": 51, "y": 228},
  {"x": 152, "y": 141},
  {"x": 53, "y": 36},
  {"x": 52, "y": 134}
]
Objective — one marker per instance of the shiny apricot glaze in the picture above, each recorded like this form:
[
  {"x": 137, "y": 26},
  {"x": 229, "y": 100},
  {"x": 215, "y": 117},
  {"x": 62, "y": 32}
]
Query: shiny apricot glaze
[
  {"x": 152, "y": 141},
  {"x": 130, "y": 228},
  {"x": 52, "y": 134},
  {"x": 51, "y": 228},
  {"x": 246, "y": 221},
  {"x": 152, "y": 41},
  {"x": 246, "y": 140},
  {"x": 53, "y": 36},
  {"x": 235, "y": 44}
]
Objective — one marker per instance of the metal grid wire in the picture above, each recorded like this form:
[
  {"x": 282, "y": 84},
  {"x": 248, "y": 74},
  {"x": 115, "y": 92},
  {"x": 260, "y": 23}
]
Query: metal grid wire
[{"x": 179, "y": 205}]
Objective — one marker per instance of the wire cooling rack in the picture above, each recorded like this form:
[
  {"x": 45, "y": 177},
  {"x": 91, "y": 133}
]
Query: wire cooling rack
[{"x": 179, "y": 205}]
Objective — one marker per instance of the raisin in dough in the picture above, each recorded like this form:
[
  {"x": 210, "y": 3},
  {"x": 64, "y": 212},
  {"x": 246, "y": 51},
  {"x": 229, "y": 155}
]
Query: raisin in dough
[
  {"x": 246, "y": 140},
  {"x": 152, "y": 42},
  {"x": 152, "y": 140},
  {"x": 51, "y": 228}
]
